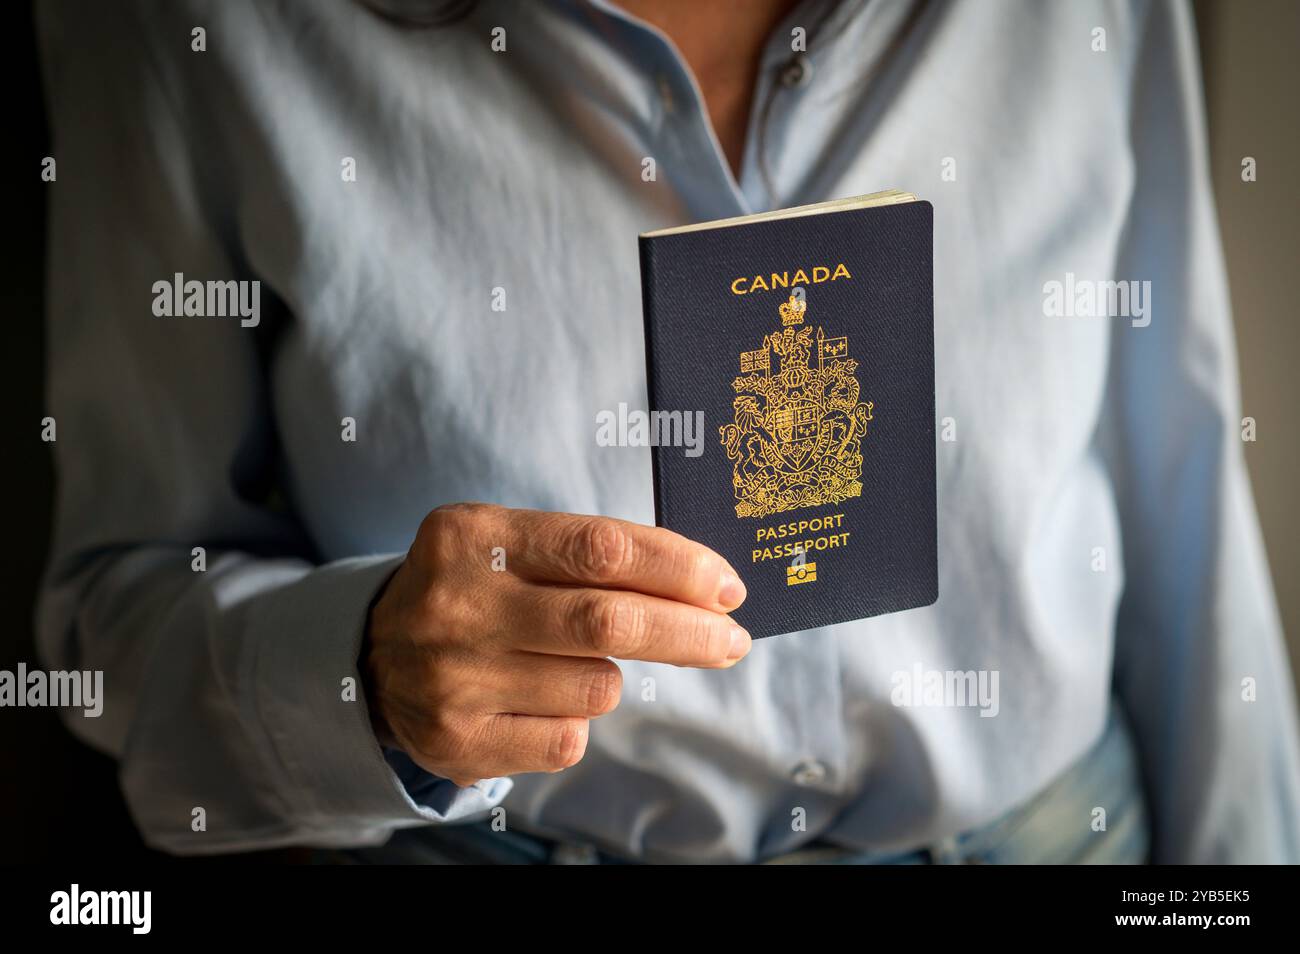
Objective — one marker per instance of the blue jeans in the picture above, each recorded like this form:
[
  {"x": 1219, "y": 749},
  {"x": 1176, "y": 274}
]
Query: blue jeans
[{"x": 1057, "y": 826}]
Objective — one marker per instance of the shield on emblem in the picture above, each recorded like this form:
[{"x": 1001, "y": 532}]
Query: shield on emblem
[{"x": 796, "y": 426}]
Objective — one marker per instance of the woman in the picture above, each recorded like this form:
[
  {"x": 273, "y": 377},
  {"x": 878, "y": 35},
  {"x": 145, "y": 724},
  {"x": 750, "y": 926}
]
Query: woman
[{"x": 306, "y": 634}]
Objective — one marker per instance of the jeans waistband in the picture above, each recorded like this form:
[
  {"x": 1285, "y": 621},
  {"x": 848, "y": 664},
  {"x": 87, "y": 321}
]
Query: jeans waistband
[{"x": 1093, "y": 812}]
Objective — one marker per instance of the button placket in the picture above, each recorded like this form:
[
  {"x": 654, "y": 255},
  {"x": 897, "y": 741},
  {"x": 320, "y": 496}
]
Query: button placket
[{"x": 808, "y": 694}]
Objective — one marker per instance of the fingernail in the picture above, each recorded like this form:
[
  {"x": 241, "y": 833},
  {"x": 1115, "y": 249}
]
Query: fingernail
[
  {"x": 740, "y": 643},
  {"x": 732, "y": 592}
]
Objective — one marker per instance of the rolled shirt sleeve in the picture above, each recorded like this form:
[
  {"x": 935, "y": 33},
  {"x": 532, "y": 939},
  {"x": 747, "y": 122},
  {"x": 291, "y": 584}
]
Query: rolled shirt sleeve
[
  {"x": 278, "y": 747},
  {"x": 233, "y": 699}
]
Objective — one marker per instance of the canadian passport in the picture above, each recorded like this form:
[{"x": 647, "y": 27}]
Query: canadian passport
[{"x": 803, "y": 340}]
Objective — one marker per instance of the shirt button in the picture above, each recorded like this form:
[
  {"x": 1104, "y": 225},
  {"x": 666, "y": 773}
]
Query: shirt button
[
  {"x": 666, "y": 93},
  {"x": 809, "y": 772},
  {"x": 797, "y": 71}
]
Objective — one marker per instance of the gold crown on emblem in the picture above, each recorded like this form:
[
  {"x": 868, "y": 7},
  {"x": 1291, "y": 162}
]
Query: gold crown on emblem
[{"x": 792, "y": 311}]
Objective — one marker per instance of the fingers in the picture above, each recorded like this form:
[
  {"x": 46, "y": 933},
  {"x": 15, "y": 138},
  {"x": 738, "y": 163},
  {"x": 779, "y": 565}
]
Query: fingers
[
  {"x": 480, "y": 668},
  {"x": 616, "y": 554},
  {"x": 583, "y": 621},
  {"x": 529, "y": 683},
  {"x": 508, "y": 744}
]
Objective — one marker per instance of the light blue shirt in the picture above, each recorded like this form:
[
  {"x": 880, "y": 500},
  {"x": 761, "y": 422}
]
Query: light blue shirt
[{"x": 1096, "y": 528}]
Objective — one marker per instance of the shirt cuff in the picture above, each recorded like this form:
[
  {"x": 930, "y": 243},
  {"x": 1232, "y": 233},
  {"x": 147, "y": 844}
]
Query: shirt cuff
[{"x": 349, "y": 790}]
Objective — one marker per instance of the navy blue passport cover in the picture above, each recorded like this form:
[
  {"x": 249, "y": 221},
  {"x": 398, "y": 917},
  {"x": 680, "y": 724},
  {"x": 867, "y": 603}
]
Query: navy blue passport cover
[{"x": 818, "y": 421}]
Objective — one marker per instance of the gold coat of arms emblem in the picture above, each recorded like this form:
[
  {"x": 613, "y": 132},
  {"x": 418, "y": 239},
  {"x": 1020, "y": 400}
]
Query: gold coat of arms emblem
[{"x": 796, "y": 440}]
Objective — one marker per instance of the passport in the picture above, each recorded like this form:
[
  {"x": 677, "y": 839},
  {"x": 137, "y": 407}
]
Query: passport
[{"x": 803, "y": 339}]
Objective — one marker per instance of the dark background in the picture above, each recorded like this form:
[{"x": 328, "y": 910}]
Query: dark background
[{"x": 59, "y": 799}]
